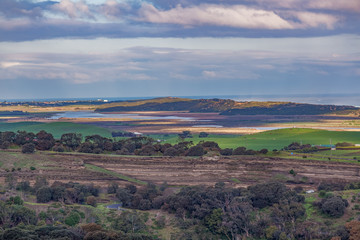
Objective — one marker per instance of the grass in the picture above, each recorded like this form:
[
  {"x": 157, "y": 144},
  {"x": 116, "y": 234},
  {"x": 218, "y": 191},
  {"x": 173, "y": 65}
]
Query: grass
[
  {"x": 274, "y": 139},
  {"x": 309, "y": 208},
  {"x": 114, "y": 174},
  {"x": 55, "y": 128}
]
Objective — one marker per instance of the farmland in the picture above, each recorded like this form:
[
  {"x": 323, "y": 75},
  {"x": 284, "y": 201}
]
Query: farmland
[{"x": 167, "y": 176}]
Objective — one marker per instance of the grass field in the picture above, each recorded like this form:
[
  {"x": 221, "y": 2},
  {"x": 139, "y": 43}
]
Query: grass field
[
  {"x": 55, "y": 128},
  {"x": 275, "y": 139}
]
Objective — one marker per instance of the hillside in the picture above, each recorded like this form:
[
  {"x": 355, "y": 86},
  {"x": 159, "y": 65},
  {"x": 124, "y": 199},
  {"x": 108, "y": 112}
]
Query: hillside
[{"x": 223, "y": 106}]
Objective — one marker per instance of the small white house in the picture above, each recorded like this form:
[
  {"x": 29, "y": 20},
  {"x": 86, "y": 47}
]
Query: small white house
[{"x": 310, "y": 191}]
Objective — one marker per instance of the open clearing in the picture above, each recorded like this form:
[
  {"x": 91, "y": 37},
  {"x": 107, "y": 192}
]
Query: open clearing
[{"x": 178, "y": 171}]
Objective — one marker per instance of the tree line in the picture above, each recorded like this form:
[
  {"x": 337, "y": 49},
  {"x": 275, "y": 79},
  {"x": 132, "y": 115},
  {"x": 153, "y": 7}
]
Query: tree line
[{"x": 142, "y": 145}]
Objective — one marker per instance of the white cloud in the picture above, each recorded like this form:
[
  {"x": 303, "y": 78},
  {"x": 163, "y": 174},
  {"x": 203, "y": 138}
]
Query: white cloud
[
  {"x": 314, "y": 20},
  {"x": 9, "y": 64},
  {"x": 347, "y": 5},
  {"x": 209, "y": 74},
  {"x": 73, "y": 9},
  {"x": 206, "y": 14}
]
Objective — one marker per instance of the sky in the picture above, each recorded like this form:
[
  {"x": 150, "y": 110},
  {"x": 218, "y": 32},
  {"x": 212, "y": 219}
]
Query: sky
[{"x": 137, "y": 48}]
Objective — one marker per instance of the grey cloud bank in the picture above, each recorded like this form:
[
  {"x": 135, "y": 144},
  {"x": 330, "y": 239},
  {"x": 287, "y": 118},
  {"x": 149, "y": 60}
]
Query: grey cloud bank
[{"x": 116, "y": 48}]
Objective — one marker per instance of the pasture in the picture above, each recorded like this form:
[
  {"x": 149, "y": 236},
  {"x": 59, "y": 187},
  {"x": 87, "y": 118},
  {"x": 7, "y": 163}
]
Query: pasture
[{"x": 274, "y": 139}]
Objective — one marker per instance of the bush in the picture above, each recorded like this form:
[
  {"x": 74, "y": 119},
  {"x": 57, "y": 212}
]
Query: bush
[
  {"x": 44, "y": 195},
  {"x": 72, "y": 219},
  {"x": 226, "y": 152},
  {"x": 32, "y": 168},
  {"x": 239, "y": 151},
  {"x": 171, "y": 152},
  {"x": 28, "y": 148},
  {"x": 91, "y": 200},
  {"x": 195, "y": 151},
  {"x": 334, "y": 206},
  {"x": 203, "y": 135},
  {"x": 263, "y": 151}
]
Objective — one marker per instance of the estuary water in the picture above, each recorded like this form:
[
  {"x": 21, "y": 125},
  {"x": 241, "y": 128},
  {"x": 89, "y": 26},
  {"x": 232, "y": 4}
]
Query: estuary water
[{"x": 90, "y": 114}]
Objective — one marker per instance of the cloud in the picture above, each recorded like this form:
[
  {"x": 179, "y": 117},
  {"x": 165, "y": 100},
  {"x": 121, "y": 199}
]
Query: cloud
[
  {"x": 73, "y": 9},
  {"x": 9, "y": 64},
  {"x": 209, "y": 74},
  {"x": 205, "y": 14},
  {"x": 346, "y": 5},
  {"x": 315, "y": 20}
]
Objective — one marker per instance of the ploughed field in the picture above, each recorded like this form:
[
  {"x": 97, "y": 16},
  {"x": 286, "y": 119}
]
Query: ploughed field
[{"x": 176, "y": 171}]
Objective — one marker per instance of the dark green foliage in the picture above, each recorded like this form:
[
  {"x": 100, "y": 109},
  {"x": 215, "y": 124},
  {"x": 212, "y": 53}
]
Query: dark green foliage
[
  {"x": 171, "y": 152},
  {"x": 267, "y": 194},
  {"x": 23, "y": 186},
  {"x": 72, "y": 219},
  {"x": 28, "y": 148},
  {"x": 91, "y": 200},
  {"x": 23, "y": 137},
  {"x": 195, "y": 151},
  {"x": 112, "y": 188},
  {"x": 71, "y": 140},
  {"x": 239, "y": 151},
  {"x": 44, "y": 195},
  {"x": 226, "y": 152},
  {"x": 263, "y": 151},
  {"x": 15, "y": 200},
  {"x": 129, "y": 222},
  {"x": 203, "y": 135},
  {"x": 124, "y": 197},
  {"x": 44, "y": 140},
  {"x": 334, "y": 206},
  {"x": 131, "y": 188},
  {"x": 210, "y": 146},
  {"x": 58, "y": 148},
  {"x": 332, "y": 186}
]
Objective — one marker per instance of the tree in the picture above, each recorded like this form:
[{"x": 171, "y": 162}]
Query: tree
[
  {"x": 334, "y": 207},
  {"x": 171, "y": 152},
  {"x": 195, "y": 151},
  {"x": 239, "y": 151},
  {"x": 44, "y": 195},
  {"x": 28, "y": 148},
  {"x": 203, "y": 135},
  {"x": 112, "y": 188},
  {"x": 91, "y": 200},
  {"x": 44, "y": 140},
  {"x": 226, "y": 152},
  {"x": 71, "y": 140},
  {"x": 23, "y": 137},
  {"x": 124, "y": 196}
]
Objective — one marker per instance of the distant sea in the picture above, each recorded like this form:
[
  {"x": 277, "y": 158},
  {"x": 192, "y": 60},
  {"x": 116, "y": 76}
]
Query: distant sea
[{"x": 333, "y": 99}]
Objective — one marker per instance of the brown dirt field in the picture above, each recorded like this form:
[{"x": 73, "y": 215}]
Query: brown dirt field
[{"x": 178, "y": 171}]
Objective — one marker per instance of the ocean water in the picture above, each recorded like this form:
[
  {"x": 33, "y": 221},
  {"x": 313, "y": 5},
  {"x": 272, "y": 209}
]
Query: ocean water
[{"x": 333, "y": 99}]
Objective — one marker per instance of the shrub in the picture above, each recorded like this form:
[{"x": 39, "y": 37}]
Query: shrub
[
  {"x": 263, "y": 151},
  {"x": 72, "y": 219},
  {"x": 226, "y": 152},
  {"x": 195, "y": 151},
  {"x": 28, "y": 148},
  {"x": 91, "y": 200},
  {"x": 203, "y": 135},
  {"x": 32, "y": 168},
  {"x": 171, "y": 152},
  {"x": 334, "y": 206},
  {"x": 43, "y": 195},
  {"x": 239, "y": 151}
]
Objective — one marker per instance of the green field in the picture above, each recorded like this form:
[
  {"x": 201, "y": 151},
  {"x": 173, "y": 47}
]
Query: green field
[
  {"x": 274, "y": 139},
  {"x": 56, "y": 128}
]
